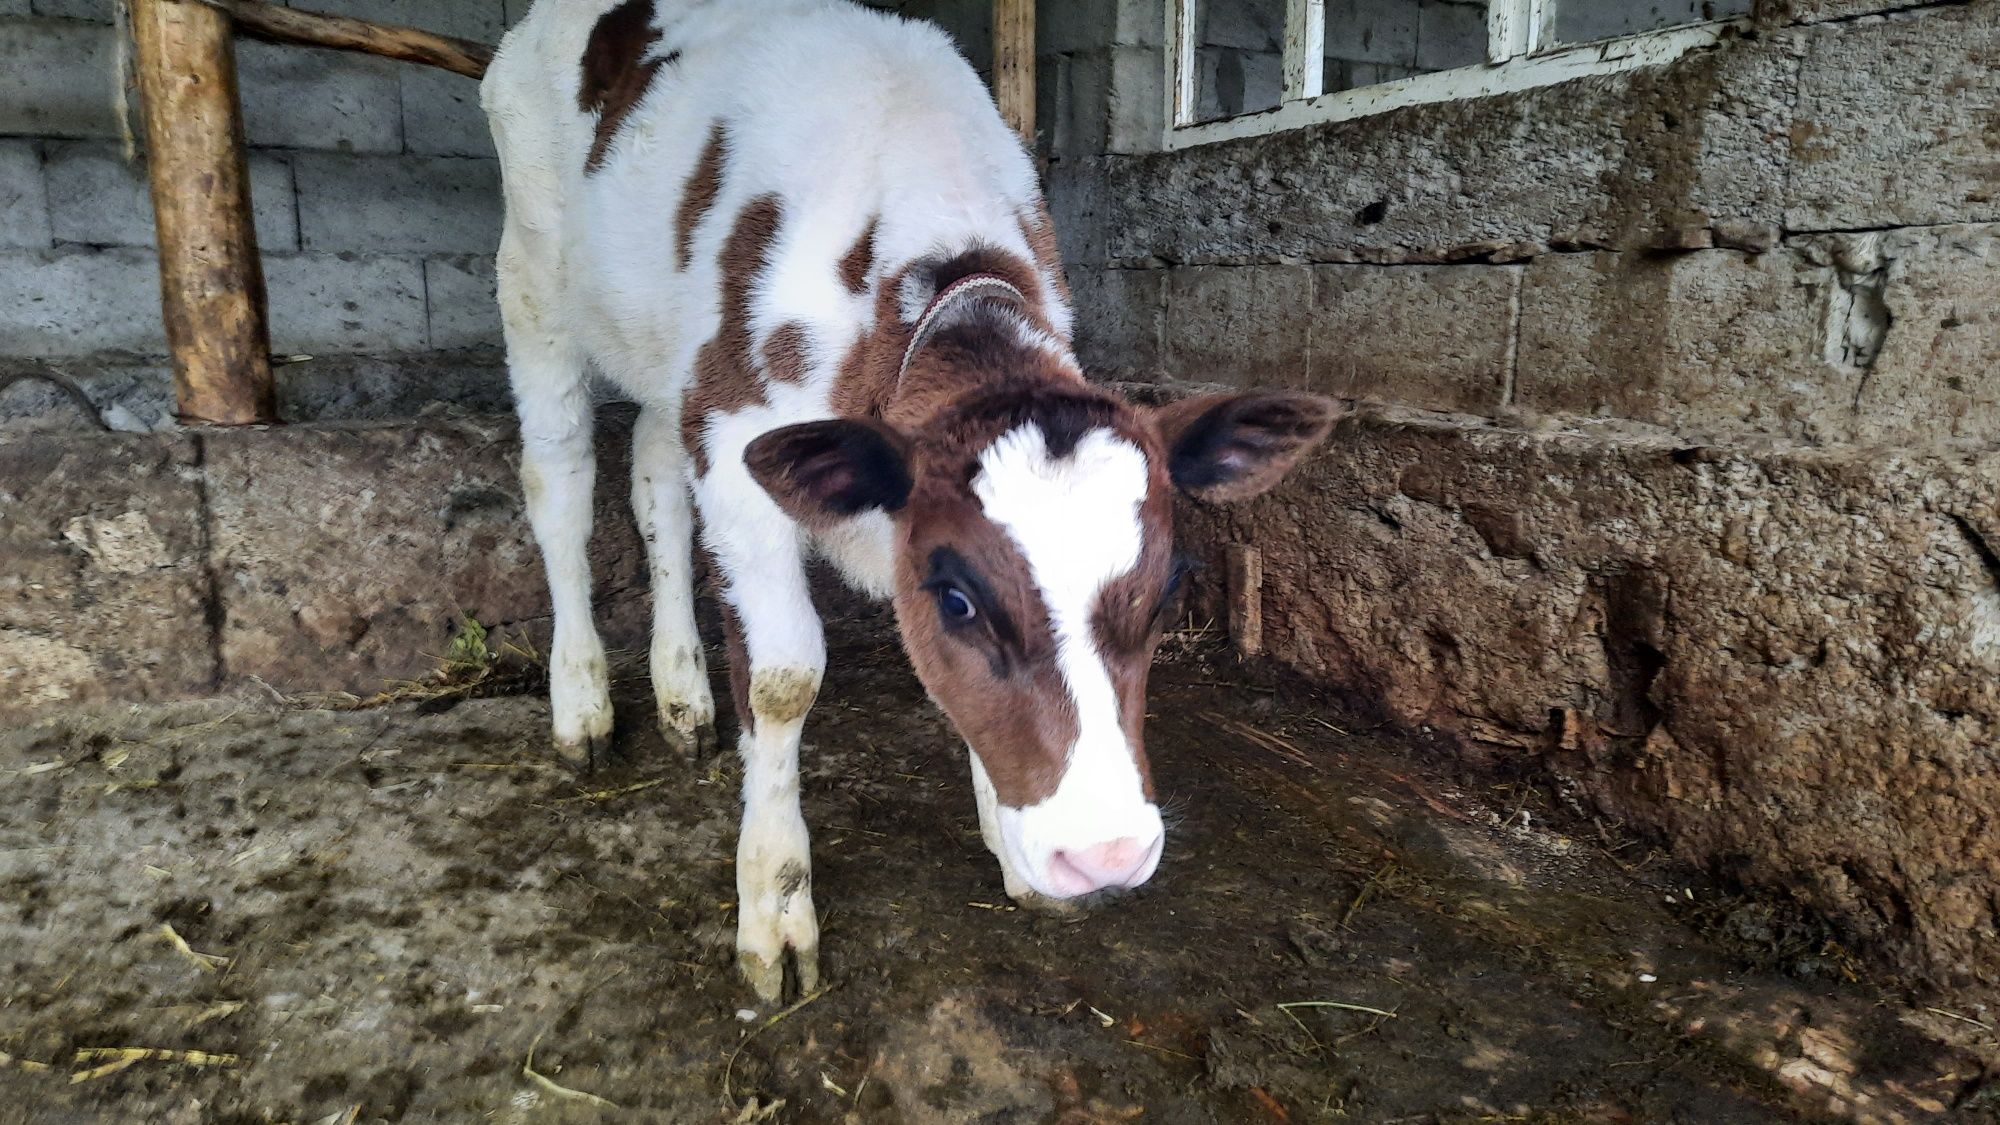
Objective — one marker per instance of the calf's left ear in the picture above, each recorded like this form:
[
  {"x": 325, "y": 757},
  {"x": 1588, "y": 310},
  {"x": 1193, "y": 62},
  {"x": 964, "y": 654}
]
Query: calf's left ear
[
  {"x": 823, "y": 472},
  {"x": 1234, "y": 446}
]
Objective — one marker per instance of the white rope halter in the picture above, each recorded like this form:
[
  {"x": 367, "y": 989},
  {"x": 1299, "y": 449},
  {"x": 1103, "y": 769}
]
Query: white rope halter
[{"x": 965, "y": 288}]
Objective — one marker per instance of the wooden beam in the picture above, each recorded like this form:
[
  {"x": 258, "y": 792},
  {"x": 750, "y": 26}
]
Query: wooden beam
[
  {"x": 274, "y": 24},
  {"x": 1014, "y": 65},
  {"x": 1305, "y": 49},
  {"x": 211, "y": 281}
]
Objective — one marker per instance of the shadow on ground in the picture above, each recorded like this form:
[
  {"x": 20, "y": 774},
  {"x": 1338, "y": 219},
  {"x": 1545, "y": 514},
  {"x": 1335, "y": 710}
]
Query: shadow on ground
[{"x": 321, "y": 916}]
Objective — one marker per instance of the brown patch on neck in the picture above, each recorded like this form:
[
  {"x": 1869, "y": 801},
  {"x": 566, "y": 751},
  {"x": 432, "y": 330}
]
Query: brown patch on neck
[
  {"x": 698, "y": 195},
  {"x": 725, "y": 378},
  {"x": 616, "y": 72},
  {"x": 855, "y": 264}
]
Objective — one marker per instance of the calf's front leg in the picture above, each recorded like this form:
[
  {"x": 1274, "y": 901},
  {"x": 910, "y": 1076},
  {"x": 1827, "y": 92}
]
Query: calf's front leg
[{"x": 777, "y": 654}]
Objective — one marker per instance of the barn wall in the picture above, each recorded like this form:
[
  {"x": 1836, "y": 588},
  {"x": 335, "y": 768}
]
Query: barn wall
[
  {"x": 1671, "y": 477},
  {"x": 377, "y": 208}
]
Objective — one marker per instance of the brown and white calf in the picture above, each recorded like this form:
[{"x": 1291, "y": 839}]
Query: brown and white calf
[{"x": 798, "y": 234}]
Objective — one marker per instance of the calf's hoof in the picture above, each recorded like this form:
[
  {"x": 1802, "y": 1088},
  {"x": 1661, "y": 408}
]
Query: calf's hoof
[
  {"x": 688, "y": 736},
  {"x": 585, "y": 752},
  {"x": 767, "y": 975}
]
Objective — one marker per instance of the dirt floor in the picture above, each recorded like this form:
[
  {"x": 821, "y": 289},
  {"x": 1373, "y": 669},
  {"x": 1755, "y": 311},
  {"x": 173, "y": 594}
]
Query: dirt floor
[{"x": 409, "y": 913}]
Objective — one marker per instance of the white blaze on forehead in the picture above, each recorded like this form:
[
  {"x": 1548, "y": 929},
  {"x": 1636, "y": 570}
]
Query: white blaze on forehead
[{"x": 1076, "y": 521}]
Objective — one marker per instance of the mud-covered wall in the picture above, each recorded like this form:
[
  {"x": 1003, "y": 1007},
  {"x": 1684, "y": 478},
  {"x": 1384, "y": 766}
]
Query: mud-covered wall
[{"x": 1672, "y": 475}]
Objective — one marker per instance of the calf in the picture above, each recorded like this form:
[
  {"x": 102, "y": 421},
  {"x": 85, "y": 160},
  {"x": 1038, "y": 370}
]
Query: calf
[{"x": 798, "y": 234}]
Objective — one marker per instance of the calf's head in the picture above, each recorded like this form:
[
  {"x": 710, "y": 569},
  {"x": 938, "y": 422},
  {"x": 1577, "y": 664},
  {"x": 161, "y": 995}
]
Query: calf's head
[{"x": 1034, "y": 572}]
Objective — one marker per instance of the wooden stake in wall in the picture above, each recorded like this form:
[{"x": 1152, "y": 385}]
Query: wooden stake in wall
[
  {"x": 1014, "y": 65},
  {"x": 211, "y": 280}
]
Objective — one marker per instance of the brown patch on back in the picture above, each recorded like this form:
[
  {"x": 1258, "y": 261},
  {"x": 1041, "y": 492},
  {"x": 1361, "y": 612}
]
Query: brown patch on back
[
  {"x": 725, "y": 379},
  {"x": 859, "y": 259},
  {"x": 616, "y": 72},
  {"x": 784, "y": 353},
  {"x": 703, "y": 185}
]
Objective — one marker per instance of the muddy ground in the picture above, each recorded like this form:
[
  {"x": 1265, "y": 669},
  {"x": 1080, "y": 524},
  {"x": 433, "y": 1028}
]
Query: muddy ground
[{"x": 410, "y": 913}]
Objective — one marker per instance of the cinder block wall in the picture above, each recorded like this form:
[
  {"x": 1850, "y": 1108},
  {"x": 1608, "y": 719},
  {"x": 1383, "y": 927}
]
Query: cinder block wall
[
  {"x": 377, "y": 209},
  {"x": 1671, "y": 476}
]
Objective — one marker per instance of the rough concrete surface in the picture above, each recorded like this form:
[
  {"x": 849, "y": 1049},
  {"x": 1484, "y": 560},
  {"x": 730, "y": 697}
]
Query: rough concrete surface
[
  {"x": 1785, "y": 665},
  {"x": 410, "y": 914},
  {"x": 103, "y": 592},
  {"x": 337, "y": 558}
]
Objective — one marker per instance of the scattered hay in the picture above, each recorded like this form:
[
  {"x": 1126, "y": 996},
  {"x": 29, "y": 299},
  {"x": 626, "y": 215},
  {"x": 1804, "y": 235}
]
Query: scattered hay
[
  {"x": 206, "y": 962},
  {"x": 123, "y": 1057},
  {"x": 729, "y": 1068},
  {"x": 551, "y": 1086}
]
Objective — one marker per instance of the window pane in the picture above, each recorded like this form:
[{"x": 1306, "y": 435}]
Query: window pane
[
  {"x": 1585, "y": 21},
  {"x": 1239, "y": 57},
  {"x": 1371, "y": 41}
]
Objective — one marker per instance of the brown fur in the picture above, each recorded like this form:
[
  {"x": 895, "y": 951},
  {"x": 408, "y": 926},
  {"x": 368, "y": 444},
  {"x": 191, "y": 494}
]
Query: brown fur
[
  {"x": 859, "y": 259},
  {"x": 698, "y": 196},
  {"x": 785, "y": 352},
  {"x": 725, "y": 379},
  {"x": 1040, "y": 231},
  {"x": 616, "y": 73}
]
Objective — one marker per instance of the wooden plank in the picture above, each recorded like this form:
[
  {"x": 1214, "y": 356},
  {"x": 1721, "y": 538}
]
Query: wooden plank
[
  {"x": 1014, "y": 65},
  {"x": 1181, "y": 61},
  {"x": 1305, "y": 49},
  {"x": 274, "y": 24},
  {"x": 1246, "y": 599},
  {"x": 211, "y": 281}
]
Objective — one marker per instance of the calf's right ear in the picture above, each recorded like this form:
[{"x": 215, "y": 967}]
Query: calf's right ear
[{"x": 823, "y": 472}]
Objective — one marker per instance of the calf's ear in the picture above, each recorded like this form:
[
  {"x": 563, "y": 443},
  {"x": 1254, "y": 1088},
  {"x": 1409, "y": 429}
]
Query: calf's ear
[
  {"x": 823, "y": 472},
  {"x": 1226, "y": 447}
]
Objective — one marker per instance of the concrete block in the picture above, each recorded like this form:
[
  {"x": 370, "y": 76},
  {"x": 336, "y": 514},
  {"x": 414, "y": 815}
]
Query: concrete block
[
  {"x": 970, "y": 25},
  {"x": 399, "y": 205},
  {"x": 1140, "y": 23},
  {"x": 1372, "y": 31},
  {"x": 1887, "y": 338},
  {"x": 75, "y": 302},
  {"x": 1240, "y": 325},
  {"x": 103, "y": 592},
  {"x": 1138, "y": 100},
  {"x": 345, "y": 556},
  {"x": 1714, "y": 345},
  {"x": 24, "y": 204},
  {"x": 91, "y": 11},
  {"x": 480, "y": 20},
  {"x": 1450, "y": 35},
  {"x": 1625, "y": 160},
  {"x": 1893, "y": 124},
  {"x": 1078, "y": 25},
  {"x": 295, "y": 97},
  {"x": 14, "y": 8},
  {"x": 1074, "y": 96},
  {"x": 1120, "y": 316},
  {"x": 464, "y": 312},
  {"x": 125, "y": 396},
  {"x": 346, "y": 303},
  {"x": 441, "y": 114},
  {"x": 57, "y": 79},
  {"x": 1436, "y": 337},
  {"x": 1253, "y": 25},
  {"x": 1817, "y": 11},
  {"x": 97, "y": 199},
  {"x": 1694, "y": 641}
]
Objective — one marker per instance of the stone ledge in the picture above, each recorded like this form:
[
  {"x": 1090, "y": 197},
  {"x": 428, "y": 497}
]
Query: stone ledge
[
  {"x": 1700, "y": 642},
  {"x": 313, "y": 558}
]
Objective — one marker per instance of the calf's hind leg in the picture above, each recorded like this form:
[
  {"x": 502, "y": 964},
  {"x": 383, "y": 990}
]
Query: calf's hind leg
[{"x": 660, "y": 500}]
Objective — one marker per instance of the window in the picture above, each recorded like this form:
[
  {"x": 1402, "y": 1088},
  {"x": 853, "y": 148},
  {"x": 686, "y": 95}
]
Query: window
[{"x": 1242, "y": 67}]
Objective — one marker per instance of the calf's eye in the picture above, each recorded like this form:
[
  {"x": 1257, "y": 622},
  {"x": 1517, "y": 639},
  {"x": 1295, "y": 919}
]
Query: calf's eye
[{"x": 954, "y": 606}]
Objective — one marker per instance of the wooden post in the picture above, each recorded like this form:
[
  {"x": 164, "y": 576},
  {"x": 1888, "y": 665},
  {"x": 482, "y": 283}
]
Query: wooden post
[
  {"x": 211, "y": 281},
  {"x": 274, "y": 24},
  {"x": 1246, "y": 598},
  {"x": 1014, "y": 65}
]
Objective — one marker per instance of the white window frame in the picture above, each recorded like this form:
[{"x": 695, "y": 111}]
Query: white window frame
[{"x": 1520, "y": 50}]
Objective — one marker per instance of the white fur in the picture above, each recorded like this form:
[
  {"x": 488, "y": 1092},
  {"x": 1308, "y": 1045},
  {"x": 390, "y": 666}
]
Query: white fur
[
  {"x": 847, "y": 116},
  {"x": 1076, "y": 521}
]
